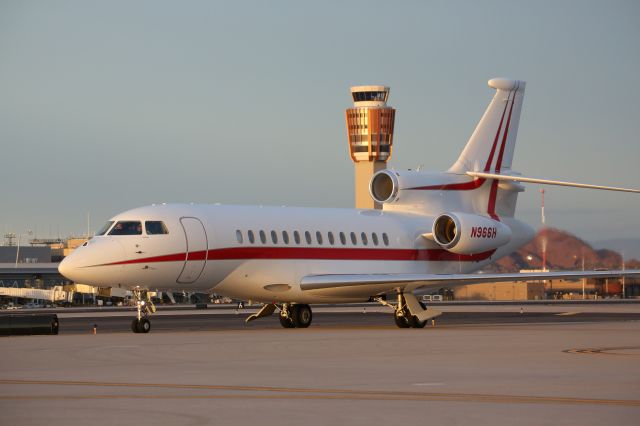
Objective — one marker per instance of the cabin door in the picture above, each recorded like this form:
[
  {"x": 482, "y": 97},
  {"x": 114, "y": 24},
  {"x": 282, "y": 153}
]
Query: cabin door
[{"x": 197, "y": 244}]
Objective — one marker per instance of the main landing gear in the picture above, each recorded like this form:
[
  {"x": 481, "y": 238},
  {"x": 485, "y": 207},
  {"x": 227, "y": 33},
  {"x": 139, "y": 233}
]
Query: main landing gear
[
  {"x": 295, "y": 316},
  {"x": 145, "y": 308},
  {"x": 409, "y": 312},
  {"x": 291, "y": 315}
]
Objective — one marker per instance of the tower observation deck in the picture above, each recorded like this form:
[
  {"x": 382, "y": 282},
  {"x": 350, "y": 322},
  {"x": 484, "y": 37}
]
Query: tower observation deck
[{"x": 370, "y": 132}]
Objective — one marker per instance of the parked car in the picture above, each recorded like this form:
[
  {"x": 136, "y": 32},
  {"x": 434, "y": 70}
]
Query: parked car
[{"x": 33, "y": 306}]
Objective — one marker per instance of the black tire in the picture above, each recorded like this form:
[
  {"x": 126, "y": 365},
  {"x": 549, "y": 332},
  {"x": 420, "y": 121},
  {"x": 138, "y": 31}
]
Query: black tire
[
  {"x": 141, "y": 326},
  {"x": 144, "y": 325},
  {"x": 302, "y": 315},
  {"x": 414, "y": 322},
  {"x": 287, "y": 322},
  {"x": 401, "y": 321}
]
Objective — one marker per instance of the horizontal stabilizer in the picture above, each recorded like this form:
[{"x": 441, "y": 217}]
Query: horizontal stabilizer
[
  {"x": 390, "y": 281},
  {"x": 547, "y": 182}
]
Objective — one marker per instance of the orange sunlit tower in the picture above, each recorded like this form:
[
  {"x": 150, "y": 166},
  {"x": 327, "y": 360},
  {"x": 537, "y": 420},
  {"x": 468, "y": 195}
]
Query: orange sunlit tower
[{"x": 370, "y": 133}]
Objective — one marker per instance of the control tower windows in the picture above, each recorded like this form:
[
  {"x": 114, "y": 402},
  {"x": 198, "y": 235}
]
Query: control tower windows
[
  {"x": 369, "y": 96},
  {"x": 155, "y": 227},
  {"x": 127, "y": 227},
  {"x": 104, "y": 229}
]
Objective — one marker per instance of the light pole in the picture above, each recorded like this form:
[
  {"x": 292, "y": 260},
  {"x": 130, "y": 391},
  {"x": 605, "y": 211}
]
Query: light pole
[
  {"x": 623, "y": 292},
  {"x": 544, "y": 234},
  {"x": 583, "y": 278}
]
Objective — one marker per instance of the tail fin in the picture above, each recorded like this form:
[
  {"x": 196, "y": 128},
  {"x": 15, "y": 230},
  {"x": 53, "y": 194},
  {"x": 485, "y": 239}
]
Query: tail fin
[{"x": 491, "y": 146}]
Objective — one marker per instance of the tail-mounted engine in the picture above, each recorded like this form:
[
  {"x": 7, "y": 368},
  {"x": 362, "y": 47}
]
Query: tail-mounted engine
[{"x": 466, "y": 233}]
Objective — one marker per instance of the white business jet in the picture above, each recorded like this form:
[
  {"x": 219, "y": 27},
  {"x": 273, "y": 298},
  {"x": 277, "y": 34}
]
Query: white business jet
[{"x": 435, "y": 230}]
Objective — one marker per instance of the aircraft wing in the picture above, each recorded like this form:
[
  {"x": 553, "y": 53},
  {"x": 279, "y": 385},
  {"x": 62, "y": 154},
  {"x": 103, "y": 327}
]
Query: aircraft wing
[{"x": 327, "y": 281}]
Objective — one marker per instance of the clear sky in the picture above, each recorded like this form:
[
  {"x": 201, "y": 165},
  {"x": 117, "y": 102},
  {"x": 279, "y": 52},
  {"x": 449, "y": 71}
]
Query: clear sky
[{"x": 106, "y": 106}]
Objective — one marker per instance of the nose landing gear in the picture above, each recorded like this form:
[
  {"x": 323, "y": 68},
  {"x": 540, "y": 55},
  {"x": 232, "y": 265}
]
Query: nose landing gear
[{"x": 145, "y": 308}]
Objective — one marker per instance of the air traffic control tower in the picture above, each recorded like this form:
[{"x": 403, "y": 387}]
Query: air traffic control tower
[{"x": 370, "y": 133}]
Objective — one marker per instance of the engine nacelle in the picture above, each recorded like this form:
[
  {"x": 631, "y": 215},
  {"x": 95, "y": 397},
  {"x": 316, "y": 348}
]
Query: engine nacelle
[{"x": 467, "y": 233}]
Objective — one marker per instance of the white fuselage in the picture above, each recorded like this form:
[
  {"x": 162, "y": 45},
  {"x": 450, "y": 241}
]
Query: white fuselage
[{"x": 262, "y": 253}]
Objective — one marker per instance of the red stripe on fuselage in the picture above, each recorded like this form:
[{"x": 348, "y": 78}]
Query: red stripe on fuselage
[{"x": 313, "y": 253}]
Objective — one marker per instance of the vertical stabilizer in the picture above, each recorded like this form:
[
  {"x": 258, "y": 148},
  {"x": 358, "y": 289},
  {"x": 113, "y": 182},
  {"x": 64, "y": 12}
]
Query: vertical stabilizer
[{"x": 491, "y": 146}]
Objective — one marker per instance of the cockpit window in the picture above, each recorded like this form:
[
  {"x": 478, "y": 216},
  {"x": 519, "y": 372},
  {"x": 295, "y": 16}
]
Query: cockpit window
[
  {"x": 155, "y": 227},
  {"x": 127, "y": 227},
  {"x": 104, "y": 229}
]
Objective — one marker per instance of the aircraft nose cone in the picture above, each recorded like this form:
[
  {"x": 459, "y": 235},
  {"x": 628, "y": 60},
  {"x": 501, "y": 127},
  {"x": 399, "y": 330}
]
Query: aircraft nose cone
[{"x": 66, "y": 267}]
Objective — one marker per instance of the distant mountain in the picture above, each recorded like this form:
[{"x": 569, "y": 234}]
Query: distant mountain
[
  {"x": 564, "y": 251},
  {"x": 629, "y": 247}
]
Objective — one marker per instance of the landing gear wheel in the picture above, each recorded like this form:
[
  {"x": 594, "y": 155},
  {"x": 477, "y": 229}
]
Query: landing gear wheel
[
  {"x": 145, "y": 308},
  {"x": 301, "y": 315},
  {"x": 286, "y": 322},
  {"x": 414, "y": 322},
  {"x": 141, "y": 326},
  {"x": 402, "y": 321}
]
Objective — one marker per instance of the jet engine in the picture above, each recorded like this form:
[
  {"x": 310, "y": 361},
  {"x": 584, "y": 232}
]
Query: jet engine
[{"x": 467, "y": 233}]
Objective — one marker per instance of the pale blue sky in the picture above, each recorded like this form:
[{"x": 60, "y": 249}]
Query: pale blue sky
[{"x": 106, "y": 106}]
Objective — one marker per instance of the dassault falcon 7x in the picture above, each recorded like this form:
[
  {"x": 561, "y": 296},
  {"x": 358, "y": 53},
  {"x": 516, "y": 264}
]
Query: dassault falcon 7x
[{"x": 434, "y": 230}]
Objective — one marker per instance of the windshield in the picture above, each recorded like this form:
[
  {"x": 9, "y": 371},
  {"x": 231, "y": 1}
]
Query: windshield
[
  {"x": 155, "y": 227},
  {"x": 127, "y": 227},
  {"x": 104, "y": 229}
]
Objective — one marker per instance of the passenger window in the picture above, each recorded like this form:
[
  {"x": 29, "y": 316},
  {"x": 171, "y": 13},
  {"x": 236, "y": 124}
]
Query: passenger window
[
  {"x": 319, "y": 237},
  {"x": 263, "y": 237},
  {"x": 239, "y": 236},
  {"x": 285, "y": 237},
  {"x": 252, "y": 237},
  {"x": 364, "y": 238},
  {"x": 307, "y": 237},
  {"x": 343, "y": 239},
  {"x": 296, "y": 237},
  {"x": 127, "y": 228},
  {"x": 385, "y": 239},
  {"x": 331, "y": 240},
  {"x": 274, "y": 237},
  {"x": 155, "y": 227},
  {"x": 374, "y": 238},
  {"x": 104, "y": 229},
  {"x": 354, "y": 239}
]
